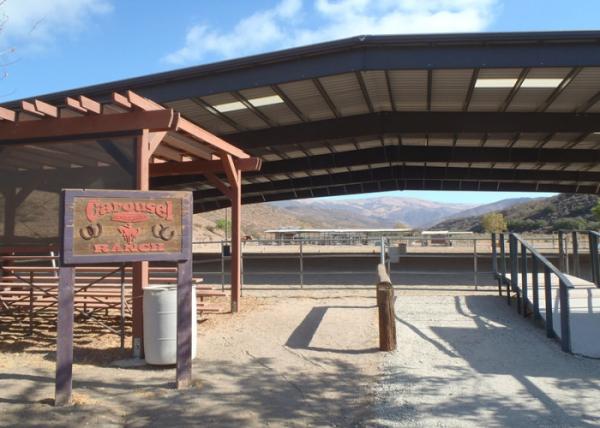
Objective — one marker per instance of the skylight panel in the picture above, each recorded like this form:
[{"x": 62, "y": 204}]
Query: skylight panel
[
  {"x": 226, "y": 107},
  {"x": 265, "y": 101},
  {"x": 541, "y": 83},
  {"x": 495, "y": 83}
]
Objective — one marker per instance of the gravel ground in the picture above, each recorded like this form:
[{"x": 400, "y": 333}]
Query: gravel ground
[
  {"x": 309, "y": 358},
  {"x": 467, "y": 359}
]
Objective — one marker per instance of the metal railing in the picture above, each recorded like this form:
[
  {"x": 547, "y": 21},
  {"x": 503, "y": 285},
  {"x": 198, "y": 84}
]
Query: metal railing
[
  {"x": 539, "y": 264},
  {"x": 302, "y": 251}
]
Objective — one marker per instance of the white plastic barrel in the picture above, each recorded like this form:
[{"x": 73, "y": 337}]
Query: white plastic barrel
[{"x": 160, "y": 324}]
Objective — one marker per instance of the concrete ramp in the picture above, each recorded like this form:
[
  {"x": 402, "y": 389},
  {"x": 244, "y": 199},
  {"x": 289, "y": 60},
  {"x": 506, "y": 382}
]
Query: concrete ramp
[{"x": 584, "y": 311}]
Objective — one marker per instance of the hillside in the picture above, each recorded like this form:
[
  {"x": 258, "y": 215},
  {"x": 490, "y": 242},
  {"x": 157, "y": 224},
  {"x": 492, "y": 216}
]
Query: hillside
[
  {"x": 379, "y": 211},
  {"x": 374, "y": 212},
  {"x": 565, "y": 211}
]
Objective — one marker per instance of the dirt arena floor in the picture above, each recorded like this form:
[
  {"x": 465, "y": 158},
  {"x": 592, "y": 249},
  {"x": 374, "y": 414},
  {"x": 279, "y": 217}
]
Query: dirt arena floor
[{"x": 309, "y": 358}]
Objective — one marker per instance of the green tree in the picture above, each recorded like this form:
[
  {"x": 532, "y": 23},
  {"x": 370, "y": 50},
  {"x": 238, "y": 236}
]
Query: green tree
[
  {"x": 493, "y": 222},
  {"x": 224, "y": 225},
  {"x": 596, "y": 210}
]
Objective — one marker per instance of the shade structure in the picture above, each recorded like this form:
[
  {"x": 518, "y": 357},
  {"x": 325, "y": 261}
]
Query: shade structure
[{"x": 502, "y": 111}]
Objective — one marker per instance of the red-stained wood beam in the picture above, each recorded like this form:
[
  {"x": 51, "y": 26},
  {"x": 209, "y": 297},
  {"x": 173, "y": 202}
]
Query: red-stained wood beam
[
  {"x": 45, "y": 108},
  {"x": 86, "y": 125},
  {"x": 140, "y": 269},
  {"x": 184, "y": 125},
  {"x": 30, "y": 108},
  {"x": 230, "y": 171},
  {"x": 236, "y": 242},
  {"x": 75, "y": 105},
  {"x": 217, "y": 183},
  {"x": 7, "y": 114},
  {"x": 90, "y": 105},
  {"x": 202, "y": 166}
]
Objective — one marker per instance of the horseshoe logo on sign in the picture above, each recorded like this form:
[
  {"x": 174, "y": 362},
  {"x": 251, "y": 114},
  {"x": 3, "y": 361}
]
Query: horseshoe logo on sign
[
  {"x": 163, "y": 232},
  {"x": 91, "y": 231}
]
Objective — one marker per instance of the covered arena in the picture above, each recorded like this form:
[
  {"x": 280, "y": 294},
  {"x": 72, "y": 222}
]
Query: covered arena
[{"x": 477, "y": 112}]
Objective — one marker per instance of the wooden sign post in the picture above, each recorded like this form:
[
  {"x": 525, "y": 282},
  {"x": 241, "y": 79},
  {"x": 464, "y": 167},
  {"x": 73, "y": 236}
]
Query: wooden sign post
[{"x": 120, "y": 226}]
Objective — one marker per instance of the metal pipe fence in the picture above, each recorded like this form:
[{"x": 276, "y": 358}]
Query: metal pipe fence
[
  {"x": 395, "y": 253},
  {"x": 518, "y": 283}
]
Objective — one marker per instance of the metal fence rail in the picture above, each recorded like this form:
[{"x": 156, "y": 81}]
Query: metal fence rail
[
  {"x": 377, "y": 249},
  {"x": 519, "y": 267}
]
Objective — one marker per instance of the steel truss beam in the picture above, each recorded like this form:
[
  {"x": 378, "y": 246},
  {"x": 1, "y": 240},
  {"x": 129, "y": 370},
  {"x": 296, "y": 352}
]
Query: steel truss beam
[{"x": 384, "y": 124}]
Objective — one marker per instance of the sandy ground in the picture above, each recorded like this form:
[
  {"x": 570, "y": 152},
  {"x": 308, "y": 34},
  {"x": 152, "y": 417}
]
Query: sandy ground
[
  {"x": 308, "y": 358},
  {"x": 467, "y": 359}
]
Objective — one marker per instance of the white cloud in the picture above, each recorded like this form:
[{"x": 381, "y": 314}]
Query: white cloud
[
  {"x": 35, "y": 24},
  {"x": 290, "y": 23}
]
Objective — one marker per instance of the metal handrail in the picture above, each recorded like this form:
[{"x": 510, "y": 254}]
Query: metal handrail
[
  {"x": 539, "y": 264},
  {"x": 544, "y": 261}
]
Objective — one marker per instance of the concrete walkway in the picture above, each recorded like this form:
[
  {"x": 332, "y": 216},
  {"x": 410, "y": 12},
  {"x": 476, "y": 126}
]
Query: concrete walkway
[{"x": 467, "y": 359}]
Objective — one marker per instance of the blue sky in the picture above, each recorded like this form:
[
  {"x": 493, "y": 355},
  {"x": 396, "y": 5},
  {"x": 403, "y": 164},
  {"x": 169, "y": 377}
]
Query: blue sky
[{"x": 52, "y": 45}]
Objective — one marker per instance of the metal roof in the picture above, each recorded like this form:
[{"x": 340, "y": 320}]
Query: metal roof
[
  {"x": 499, "y": 111},
  {"x": 284, "y": 230}
]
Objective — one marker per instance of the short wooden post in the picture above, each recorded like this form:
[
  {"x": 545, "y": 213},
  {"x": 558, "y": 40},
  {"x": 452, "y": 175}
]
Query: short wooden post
[
  {"x": 64, "y": 338},
  {"x": 31, "y": 297},
  {"x": 385, "y": 305},
  {"x": 184, "y": 324}
]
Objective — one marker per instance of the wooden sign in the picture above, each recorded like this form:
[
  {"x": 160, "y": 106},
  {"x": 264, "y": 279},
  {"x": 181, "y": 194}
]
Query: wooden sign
[{"x": 106, "y": 226}]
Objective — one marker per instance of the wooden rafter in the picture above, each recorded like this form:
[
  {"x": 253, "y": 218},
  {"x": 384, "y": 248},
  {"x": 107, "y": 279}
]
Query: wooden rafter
[{"x": 201, "y": 166}]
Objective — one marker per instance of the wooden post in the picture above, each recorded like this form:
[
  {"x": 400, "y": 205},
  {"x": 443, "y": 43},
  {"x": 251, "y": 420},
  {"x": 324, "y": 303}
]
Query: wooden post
[
  {"x": 385, "y": 306},
  {"x": 236, "y": 249},
  {"x": 64, "y": 338},
  {"x": 184, "y": 324},
  {"x": 140, "y": 269}
]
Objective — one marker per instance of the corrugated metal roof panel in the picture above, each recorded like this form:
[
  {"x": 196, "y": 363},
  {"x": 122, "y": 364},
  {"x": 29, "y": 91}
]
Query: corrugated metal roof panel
[
  {"x": 377, "y": 89},
  {"x": 344, "y": 90},
  {"x": 201, "y": 116},
  {"x": 409, "y": 88},
  {"x": 449, "y": 89},
  {"x": 490, "y": 99},
  {"x": 305, "y": 95},
  {"x": 583, "y": 87},
  {"x": 278, "y": 113},
  {"x": 529, "y": 99}
]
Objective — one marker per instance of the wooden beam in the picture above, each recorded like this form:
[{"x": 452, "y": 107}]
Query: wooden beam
[
  {"x": 121, "y": 100},
  {"x": 7, "y": 114},
  {"x": 30, "y": 108},
  {"x": 182, "y": 124},
  {"x": 142, "y": 103},
  {"x": 140, "y": 269},
  {"x": 217, "y": 183},
  {"x": 75, "y": 105},
  {"x": 188, "y": 145},
  {"x": 236, "y": 244},
  {"x": 46, "y": 109},
  {"x": 90, "y": 105},
  {"x": 167, "y": 153},
  {"x": 154, "y": 139},
  {"x": 202, "y": 166},
  {"x": 230, "y": 171},
  {"x": 48, "y": 130}
]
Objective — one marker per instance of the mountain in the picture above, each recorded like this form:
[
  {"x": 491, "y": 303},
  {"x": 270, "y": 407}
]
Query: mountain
[
  {"x": 374, "y": 212},
  {"x": 564, "y": 211},
  {"x": 492, "y": 207}
]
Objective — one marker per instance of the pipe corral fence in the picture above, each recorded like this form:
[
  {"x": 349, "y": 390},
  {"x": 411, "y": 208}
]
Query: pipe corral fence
[{"x": 302, "y": 261}]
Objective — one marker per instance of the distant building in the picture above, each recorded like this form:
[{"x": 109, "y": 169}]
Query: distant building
[
  {"x": 333, "y": 236},
  {"x": 440, "y": 237}
]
